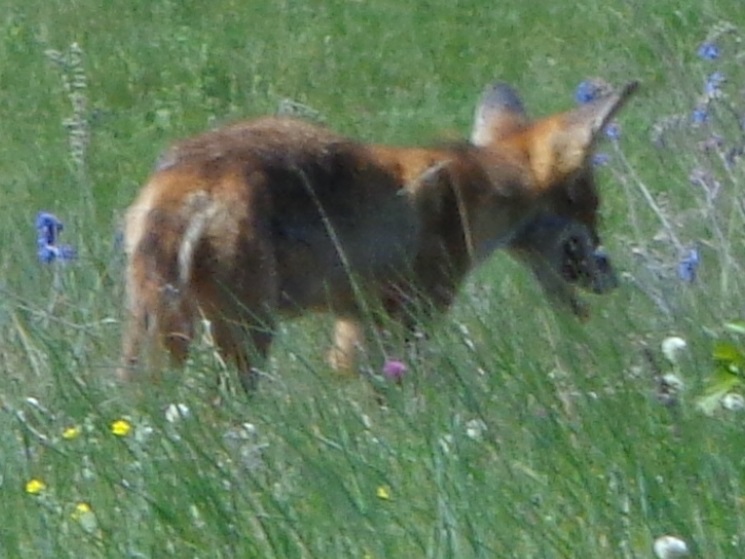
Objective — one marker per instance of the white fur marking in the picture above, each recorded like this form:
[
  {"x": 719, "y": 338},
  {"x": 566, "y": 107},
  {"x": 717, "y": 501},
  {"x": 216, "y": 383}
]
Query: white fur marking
[
  {"x": 202, "y": 211},
  {"x": 135, "y": 220}
]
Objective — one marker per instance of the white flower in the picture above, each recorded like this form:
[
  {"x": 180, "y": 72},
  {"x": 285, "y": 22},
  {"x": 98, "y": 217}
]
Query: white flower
[
  {"x": 250, "y": 429},
  {"x": 245, "y": 446},
  {"x": 475, "y": 429},
  {"x": 673, "y": 383},
  {"x": 733, "y": 401},
  {"x": 672, "y": 348},
  {"x": 445, "y": 442},
  {"x": 243, "y": 432},
  {"x": 174, "y": 412},
  {"x": 670, "y": 547},
  {"x": 143, "y": 432}
]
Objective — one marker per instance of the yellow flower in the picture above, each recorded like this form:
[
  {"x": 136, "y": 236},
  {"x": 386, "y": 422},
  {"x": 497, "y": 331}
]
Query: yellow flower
[
  {"x": 384, "y": 493},
  {"x": 83, "y": 514},
  {"x": 71, "y": 433},
  {"x": 81, "y": 509},
  {"x": 121, "y": 427},
  {"x": 35, "y": 486}
]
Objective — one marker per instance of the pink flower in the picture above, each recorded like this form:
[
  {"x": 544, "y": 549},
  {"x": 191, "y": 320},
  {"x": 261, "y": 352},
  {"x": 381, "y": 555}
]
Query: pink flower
[{"x": 394, "y": 369}]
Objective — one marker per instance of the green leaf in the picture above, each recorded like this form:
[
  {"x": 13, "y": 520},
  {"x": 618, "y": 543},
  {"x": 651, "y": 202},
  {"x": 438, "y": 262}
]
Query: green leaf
[
  {"x": 737, "y": 327},
  {"x": 711, "y": 401},
  {"x": 724, "y": 377},
  {"x": 724, "y": 381},
  {"x": 729, "y": 354}
]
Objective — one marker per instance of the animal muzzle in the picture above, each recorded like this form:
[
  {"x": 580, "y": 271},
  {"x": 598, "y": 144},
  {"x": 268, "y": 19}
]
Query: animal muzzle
[
  {"x": 586, "y": 265},
  {"x": 604, "y": 276},
  {"x": 568, "y": 251}
]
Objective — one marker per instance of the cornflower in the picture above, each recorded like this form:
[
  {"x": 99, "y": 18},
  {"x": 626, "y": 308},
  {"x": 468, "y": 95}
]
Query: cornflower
[
  {"x": 688, "y": 266},
  {"x": 708, "y": 51},
  {"x": 48, "y": 229}
]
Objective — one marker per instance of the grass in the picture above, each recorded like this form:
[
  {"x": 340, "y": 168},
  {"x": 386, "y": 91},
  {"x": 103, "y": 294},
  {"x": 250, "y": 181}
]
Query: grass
[{"x": 517, "y": 432}]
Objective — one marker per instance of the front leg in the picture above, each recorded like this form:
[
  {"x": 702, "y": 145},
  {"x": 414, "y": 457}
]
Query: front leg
[
  {"x": 411, "y": 311},
  {"x": 349, "y": 342}
]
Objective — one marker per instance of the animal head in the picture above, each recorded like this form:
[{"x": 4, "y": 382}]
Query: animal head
[
  {"x": 563, "y": 254},
  {"x": 560, "y": 242}
]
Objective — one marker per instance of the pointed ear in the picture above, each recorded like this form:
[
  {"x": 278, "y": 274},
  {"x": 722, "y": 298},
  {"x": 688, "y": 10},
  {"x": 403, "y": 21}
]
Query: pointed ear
[
  {"x": 499, "y": 113},
  {"x": 561, "y": 145}
]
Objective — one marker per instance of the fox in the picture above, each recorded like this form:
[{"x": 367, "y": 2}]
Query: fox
[{"x": 272, "y": 218}]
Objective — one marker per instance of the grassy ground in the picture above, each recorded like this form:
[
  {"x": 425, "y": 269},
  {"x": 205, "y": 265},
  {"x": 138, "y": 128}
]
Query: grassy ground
[{"x": 517, "y": 432}]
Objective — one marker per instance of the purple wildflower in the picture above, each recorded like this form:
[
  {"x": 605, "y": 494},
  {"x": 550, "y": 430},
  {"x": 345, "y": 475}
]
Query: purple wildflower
[
  {"x": 394, "y": 369},
  {"x": 688, "y": 266},
  {"x": 708, "y": 51}
]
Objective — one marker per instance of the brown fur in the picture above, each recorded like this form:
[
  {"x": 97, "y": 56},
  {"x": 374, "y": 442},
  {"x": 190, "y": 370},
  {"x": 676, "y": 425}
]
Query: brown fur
[{"x": 277, "y": 217}]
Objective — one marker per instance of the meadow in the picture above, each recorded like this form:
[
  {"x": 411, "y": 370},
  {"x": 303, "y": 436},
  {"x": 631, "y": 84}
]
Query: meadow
[{"x": 517, "y": 432}]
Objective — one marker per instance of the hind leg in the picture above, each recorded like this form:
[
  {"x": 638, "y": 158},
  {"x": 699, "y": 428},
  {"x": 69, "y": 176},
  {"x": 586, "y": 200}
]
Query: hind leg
[
  {"x": 133, "y": 340},
  {"x": 141, "y": 330},
  {"x": 148, "y": 332},
  {"x": 243, "y": 345},
  {"x": 237, "y": 287},
  {"x": 176, "y": 334},
  {"x": 138, "y": 324},
  {"x": 159, "y": 317},
  {"x": 241, "y": 307}
]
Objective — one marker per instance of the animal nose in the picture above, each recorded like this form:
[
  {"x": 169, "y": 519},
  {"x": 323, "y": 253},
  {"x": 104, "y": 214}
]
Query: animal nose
[
  {"x": 605, "y": 276},
  {"x": 601, "y": 259}
]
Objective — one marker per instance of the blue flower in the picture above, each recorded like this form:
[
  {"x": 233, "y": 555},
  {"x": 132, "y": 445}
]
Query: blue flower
[
  {"x": 600, "y": 159},
  {"x": 585, "y": 93},
  {"x": 708, "y": 51},
  {"x": 591, "y": 89},
  {"x": 48, "y": 227},
  {"x": 713, "y": 84},
  {"x": 51, "y": 253},
  {"x": 613, "y": 131},
  {"x": 688, "y": 266},
  {"x": 699, "y": 115}
]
